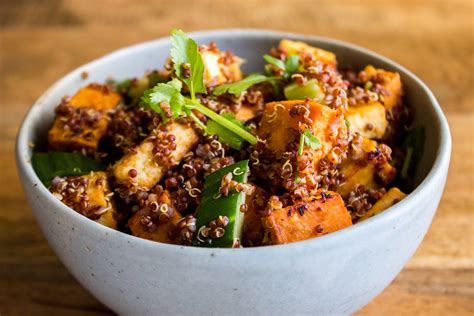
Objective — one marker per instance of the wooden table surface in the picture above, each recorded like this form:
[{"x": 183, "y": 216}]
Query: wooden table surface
[{"x": 42, "y": 40}]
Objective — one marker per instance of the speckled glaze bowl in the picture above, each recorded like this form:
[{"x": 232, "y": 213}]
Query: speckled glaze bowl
[{"x": 334, "y": 274}]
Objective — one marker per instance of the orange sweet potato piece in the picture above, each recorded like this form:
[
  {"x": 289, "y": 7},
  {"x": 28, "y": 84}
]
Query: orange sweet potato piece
[
  {"x": 316, "y": 217},
  {"x": 95, "y": 96},
  {"x": 252, "y": 231},
  {"x": 61, "y": 136},
  {"x": 162, "y": 232},
  {"x": 87, "y": 108},
  {"x": 328, "y": 126}
]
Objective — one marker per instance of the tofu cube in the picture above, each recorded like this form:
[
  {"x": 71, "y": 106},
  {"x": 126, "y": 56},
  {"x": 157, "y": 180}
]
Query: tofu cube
[
  {"x": 142, "y": 167},
  {"x": 82, "y": 120},
  {"x": 89, "y": 195},
  {"x": 368, "y": 120},
  {"x": 318, "y": 216},
  {"x": 389, "y": 199},
  {"x": 219, "y": 67},
  {"x": 302, "y": 49}
]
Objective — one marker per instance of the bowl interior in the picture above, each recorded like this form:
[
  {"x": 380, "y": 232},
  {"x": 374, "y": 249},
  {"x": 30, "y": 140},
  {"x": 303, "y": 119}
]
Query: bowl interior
[{"x": 248, "y": 44}]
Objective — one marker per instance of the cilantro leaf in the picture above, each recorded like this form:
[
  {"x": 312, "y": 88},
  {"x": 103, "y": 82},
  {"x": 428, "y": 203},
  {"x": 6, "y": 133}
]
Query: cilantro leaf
[
  {"x": 169, "y": 93},
  {"x": 311, "y": 140},
  {"x": 289, "y": 66},
  {"x": 236, "y": 88},
  {"x": 274, "y": 61},
  {"x": 185, "y": 51},
  {"x": 225, "y": 135},
  {"x": 307, "y": 138}
]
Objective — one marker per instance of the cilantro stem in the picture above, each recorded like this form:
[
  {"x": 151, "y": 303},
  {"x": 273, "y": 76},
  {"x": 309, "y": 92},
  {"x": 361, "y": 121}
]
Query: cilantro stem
[
  {"x": 301, "y": 145},
  {"x": 224, "y": 122},
  {"x": 197, "y": 120}
]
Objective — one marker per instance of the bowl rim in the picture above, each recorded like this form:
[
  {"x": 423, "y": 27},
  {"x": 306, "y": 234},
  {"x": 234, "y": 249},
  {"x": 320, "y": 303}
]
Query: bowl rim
[{"x": 345, "y": 235}]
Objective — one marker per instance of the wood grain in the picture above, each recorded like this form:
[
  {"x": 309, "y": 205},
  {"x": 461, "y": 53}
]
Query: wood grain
[{"x": 42, "y": 40}]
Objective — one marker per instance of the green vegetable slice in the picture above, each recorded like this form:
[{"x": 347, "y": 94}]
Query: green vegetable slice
[
  {"x": 214, "y": 205},
  {"x": 310, "y": 89},
  {"x": 52, "y": 164}
]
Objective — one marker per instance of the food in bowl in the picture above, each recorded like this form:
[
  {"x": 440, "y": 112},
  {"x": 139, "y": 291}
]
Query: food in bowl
[{"x": 199, "y": 154}]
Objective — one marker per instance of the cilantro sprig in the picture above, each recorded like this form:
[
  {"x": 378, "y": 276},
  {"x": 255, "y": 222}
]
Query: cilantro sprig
[
  {"x": 168, "y": 100},
  {"x": 236, "y": 88},
  {"x": 289, "y": 66},
  {"x": 306, "y": 138}
]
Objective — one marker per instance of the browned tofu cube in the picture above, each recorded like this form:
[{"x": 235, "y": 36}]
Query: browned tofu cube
[
  {"x": 391, "y": 84},
  {"x": 82, "y": 120},
  {"x": 219, "y": 67},
  {"x": 318, "y": 216},
  {"x": 88, "y": 195},
  {"x": 156, "y": 220},
  {"x": 278, "y": 126},
  {"x": 366, "y": 169},
  {"x": 142, "y": 167},
  {"x": 302, "y": 49},
  {"x": 390, "y": 198}
]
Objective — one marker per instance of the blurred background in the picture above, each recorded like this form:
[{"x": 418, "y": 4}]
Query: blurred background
[{"x": 40, "y": 41}]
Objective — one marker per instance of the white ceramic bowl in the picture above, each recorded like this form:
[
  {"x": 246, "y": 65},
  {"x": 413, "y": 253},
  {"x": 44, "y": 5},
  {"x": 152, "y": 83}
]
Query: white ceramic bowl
[{"x": 334, "y": 274}]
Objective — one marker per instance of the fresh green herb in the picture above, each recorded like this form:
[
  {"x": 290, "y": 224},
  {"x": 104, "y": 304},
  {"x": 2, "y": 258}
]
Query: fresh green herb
[
  {"x": 413, "y": 144},
  {"x": 307, "y": 138},
  {"x": 168, "y": 100},
  {"x": 168, "y": 93},
  {"x": 188, "y": 63},
  {"x": 226, "y": 135},
  {"x": 289, "y": 66},
  {"x": 274, "y": 61},
  {"x": 236, "y": 88},
  {"x": 52, "y": 164}
]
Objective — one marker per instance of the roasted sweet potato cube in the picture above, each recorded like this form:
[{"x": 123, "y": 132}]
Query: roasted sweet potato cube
[
  {"x": 82, "y": 120},
  {"x": 368, "y": 120},
  {"x": 363, "y": 171},
  {"x": 276, "y": 125},
  {"x": 318, "y": 216},
  {"x": 391, "y": 83},
  {"x": 390, "y": 198},
  {"x": 81, "y": 128},
  {"x": 88, "y": 195},
  {"x": 95, "y": 96},
  {"x": 142, "y": 167},
  {"x": 219, "y": 67},
  {"x": 252, "y": 231},
  {"x": 145, "y": 224},
  {"x": 301, "y": 48}
]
